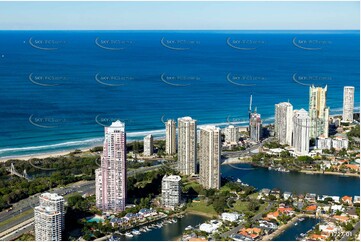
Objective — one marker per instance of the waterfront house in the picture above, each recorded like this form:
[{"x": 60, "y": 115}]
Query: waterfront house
[
  {"x": 322, "y": 198},
  {"x": 265, "y": 192},
  {"x": 276, "y": 192},
  {"x": 352, "y": 167},
  {"x": 231, "y": 217},
  {"x": 346, "y": 200},
  {"x": 301, "y": 197},
  {"x": 310, "y": 197},
  {"x": 287, "y": 195}
]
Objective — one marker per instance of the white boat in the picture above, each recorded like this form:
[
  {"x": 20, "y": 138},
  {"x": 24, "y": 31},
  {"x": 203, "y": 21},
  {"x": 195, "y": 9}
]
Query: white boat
[
  {"x": 239, "y": 180},
  {"x": 189, "y": 227},
  {"x": 296, "y": 224},
  {"x": 174, "y": 220},
  {"x": 301, "y": 219},
  {"x": 127, "y": 234},
  {"x": 135, "y": 232}
]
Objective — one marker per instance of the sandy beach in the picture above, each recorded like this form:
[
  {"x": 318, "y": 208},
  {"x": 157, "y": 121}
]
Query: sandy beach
[{"x": 41, "y": 156}]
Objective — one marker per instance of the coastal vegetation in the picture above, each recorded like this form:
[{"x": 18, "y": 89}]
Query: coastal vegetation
[{"x": 46, "y": 174}]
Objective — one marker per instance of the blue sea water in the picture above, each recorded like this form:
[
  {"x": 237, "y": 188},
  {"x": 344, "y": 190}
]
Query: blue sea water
[{"x": 58, "y": 88}]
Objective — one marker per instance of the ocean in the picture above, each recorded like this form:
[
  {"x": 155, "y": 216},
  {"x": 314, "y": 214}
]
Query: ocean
[{"x": 60, "y": 88}]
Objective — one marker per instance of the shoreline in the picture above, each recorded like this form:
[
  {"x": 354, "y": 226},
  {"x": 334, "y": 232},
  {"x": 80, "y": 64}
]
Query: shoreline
[
  {"x": 199, "y": 213},
  {"x": 43, "y": 155},
  {"x": 301, "y": 171}
]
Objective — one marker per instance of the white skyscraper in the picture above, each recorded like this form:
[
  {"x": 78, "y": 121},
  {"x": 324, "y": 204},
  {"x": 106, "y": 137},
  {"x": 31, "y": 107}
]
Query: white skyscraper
[
  {"x": 301, "y": 132},
  {"x": 231, "y": 134},
  {"x": 283, "y": 122},
  {"x": 49, "y": 217},
  {"x": 111, "y": 177},
  {"x": 318, "y": 112},
  {"x": 187, "y": 145},
  {"x": 55, "y": 202},
  {"x": 170, "y": 137},
  {"x": 255, "y": 127},
  {"x": 171, "y": 191},
  {"x": 348, "y": 103},
  {"x": 148, "y": 145},
  {"x": 210, "y": 157}
]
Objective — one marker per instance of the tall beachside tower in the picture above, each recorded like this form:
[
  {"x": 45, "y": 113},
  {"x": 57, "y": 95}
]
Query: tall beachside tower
[
  {"x": 283, "y": 122},
  {"x": 187, "y": 145},
  {"x": 348, "y": 104},
  {"x": 111, "y": 177},
  {"x": 210, "y": 157},
  {"x": 318, "y": 112},
  {"x": 170, "y": 137}
]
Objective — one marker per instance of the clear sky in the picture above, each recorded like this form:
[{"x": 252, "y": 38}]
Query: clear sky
[{"x": 179, "y": 15}]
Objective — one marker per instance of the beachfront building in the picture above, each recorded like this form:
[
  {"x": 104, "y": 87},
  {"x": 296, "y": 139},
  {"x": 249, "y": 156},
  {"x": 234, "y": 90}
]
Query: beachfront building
[
  {"x": 301, "y": 132},
  {"x": 340, "y": 141},
  {"x": 148, "y": 145},
  {"x": 171, "y": 191},
  {"x": 111, "y": 177},
  {"x": 323, "y": 143},
  {"x": 187, "y": 145},
  {"x": 318, "y": 112},
  {"x": 49, "y": 217},
  {"x": 348, "y": 104},
  {"x": 210, "y": 157},
  {"x": 231, "y": 134},
  {"x": 170, "y": 137},
  {"x": 283, "y": 122},
  {"x": 255, "y": 126}
]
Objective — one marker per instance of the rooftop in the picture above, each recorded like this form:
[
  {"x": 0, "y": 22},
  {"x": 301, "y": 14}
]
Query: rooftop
[
  {"x": 51, "y": 196},
  {"x": 172, "y": 178},
  {"x": 117, "y": 124}
]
